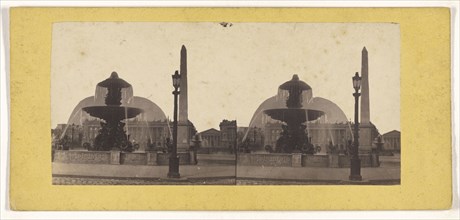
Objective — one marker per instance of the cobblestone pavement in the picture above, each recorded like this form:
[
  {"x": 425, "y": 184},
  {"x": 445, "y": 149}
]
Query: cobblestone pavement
[
  {"x": 281, "y": 182},
  {"x": 113, "y": 181},
  {"x": 312, "y": 182},
  {"x": 225, "y": 181}
]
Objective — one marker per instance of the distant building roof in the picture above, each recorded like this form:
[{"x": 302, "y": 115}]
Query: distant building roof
[
  {"x": 394, "y": 132},
  {"x": 228, "y": 123},
  {"x": 209, "y": 131},
  {"x": 61, "y": 126}
]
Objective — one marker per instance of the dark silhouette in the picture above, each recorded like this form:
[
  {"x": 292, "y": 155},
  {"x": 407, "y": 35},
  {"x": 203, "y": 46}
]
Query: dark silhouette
[
  {"x": 112, "y": 135},
  {"x": 294, "y": 137}
]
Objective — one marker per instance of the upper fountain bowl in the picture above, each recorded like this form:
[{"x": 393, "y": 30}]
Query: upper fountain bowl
[
  {"x": 295, "y": 83},
  {"x": 293, "y": 91},
  {"x": 114, "y": 90},
  {"x": 114, "y": 81}
]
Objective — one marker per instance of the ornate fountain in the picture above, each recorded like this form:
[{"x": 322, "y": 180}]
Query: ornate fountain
[
  {"x": 112, "y": 135},
  {"x": 294, "y": 137}
]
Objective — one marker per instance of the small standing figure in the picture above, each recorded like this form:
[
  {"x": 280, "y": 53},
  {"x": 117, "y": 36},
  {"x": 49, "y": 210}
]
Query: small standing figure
[
  {"x": 269, "y": 148},
  {"x": 379, "y": 143},
  {"x": 168, "y": 146},
  {"x": 150, "y": 145},
  {"x": 349, "y": 147},
  {"x": 194, "y": 149},
  {"x": 332, "y": 148}
]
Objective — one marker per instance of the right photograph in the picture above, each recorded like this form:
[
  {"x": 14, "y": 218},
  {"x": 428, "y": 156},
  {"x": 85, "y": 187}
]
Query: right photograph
[{"x": 296, "y": 137}]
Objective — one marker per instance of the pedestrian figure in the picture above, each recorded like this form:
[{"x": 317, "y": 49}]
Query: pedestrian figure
[{"x": 168, "y": 145}]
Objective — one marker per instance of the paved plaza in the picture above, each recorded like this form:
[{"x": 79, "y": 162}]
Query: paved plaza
[{"x": 221, "y": 172}]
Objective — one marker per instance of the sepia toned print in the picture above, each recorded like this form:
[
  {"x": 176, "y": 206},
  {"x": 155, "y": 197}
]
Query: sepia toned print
[{"x": 225, "y": 103}]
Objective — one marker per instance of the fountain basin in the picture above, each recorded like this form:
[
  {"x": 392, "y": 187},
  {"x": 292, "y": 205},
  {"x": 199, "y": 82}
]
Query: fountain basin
[
  {"x": 294, "y": 114},
  {"x": 112, "y": 113}
]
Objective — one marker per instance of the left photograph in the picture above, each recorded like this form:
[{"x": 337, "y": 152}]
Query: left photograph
[{"x": 116, "y": 136}]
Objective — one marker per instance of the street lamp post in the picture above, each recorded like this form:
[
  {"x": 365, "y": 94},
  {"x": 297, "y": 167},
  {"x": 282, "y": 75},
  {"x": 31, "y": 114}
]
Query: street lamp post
[
  {"x": 173, "y": 158},
  {"x": 355, "y": 168}
]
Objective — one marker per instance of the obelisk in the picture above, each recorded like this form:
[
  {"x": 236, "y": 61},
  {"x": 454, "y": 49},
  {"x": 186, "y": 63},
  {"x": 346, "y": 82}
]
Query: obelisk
[
  {"x": 183, "y": 128},
  {"x": 365, "y": 127},
  {"x": 183, "y": 105},
  {"x": 365, "y": 116}
]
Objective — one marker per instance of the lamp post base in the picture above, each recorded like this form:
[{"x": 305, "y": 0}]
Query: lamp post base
[
  {"x": 173, "y": 167},
  {"x": 355, "y": 174}
]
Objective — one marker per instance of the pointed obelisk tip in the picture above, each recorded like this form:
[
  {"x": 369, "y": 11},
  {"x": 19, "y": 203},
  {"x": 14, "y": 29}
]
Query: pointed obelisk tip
[
  {"x": 364, "y": 49},
  {"x": 183, "y": 47}
]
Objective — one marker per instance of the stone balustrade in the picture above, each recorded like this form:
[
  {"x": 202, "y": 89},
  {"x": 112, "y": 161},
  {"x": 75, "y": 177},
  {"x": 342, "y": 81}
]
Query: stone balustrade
[
  {"x": 186, "y": 158},
  {"x": 305, "y": 160},
  {"x": 117, "y": 157}
]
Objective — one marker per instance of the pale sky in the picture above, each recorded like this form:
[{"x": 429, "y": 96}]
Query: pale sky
[{"x": 231, "y": 70}]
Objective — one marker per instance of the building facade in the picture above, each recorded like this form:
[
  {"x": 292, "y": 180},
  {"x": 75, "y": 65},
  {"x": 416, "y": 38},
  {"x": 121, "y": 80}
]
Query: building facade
[
  {"x": 250, "y": 138},
  {"x": 223, "y": 140},
  {"x": 228, "y": 134},
  {"x": 392, "y": 141},
  {"x": 210, "y": 138},
  {"x": 69, "y": 135}
]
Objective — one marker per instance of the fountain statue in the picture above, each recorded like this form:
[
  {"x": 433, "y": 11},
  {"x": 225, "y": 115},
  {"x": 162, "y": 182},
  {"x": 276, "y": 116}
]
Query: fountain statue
[
  {"x": 112, "y": 135},
  {"x": 294, "y": 137}
]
